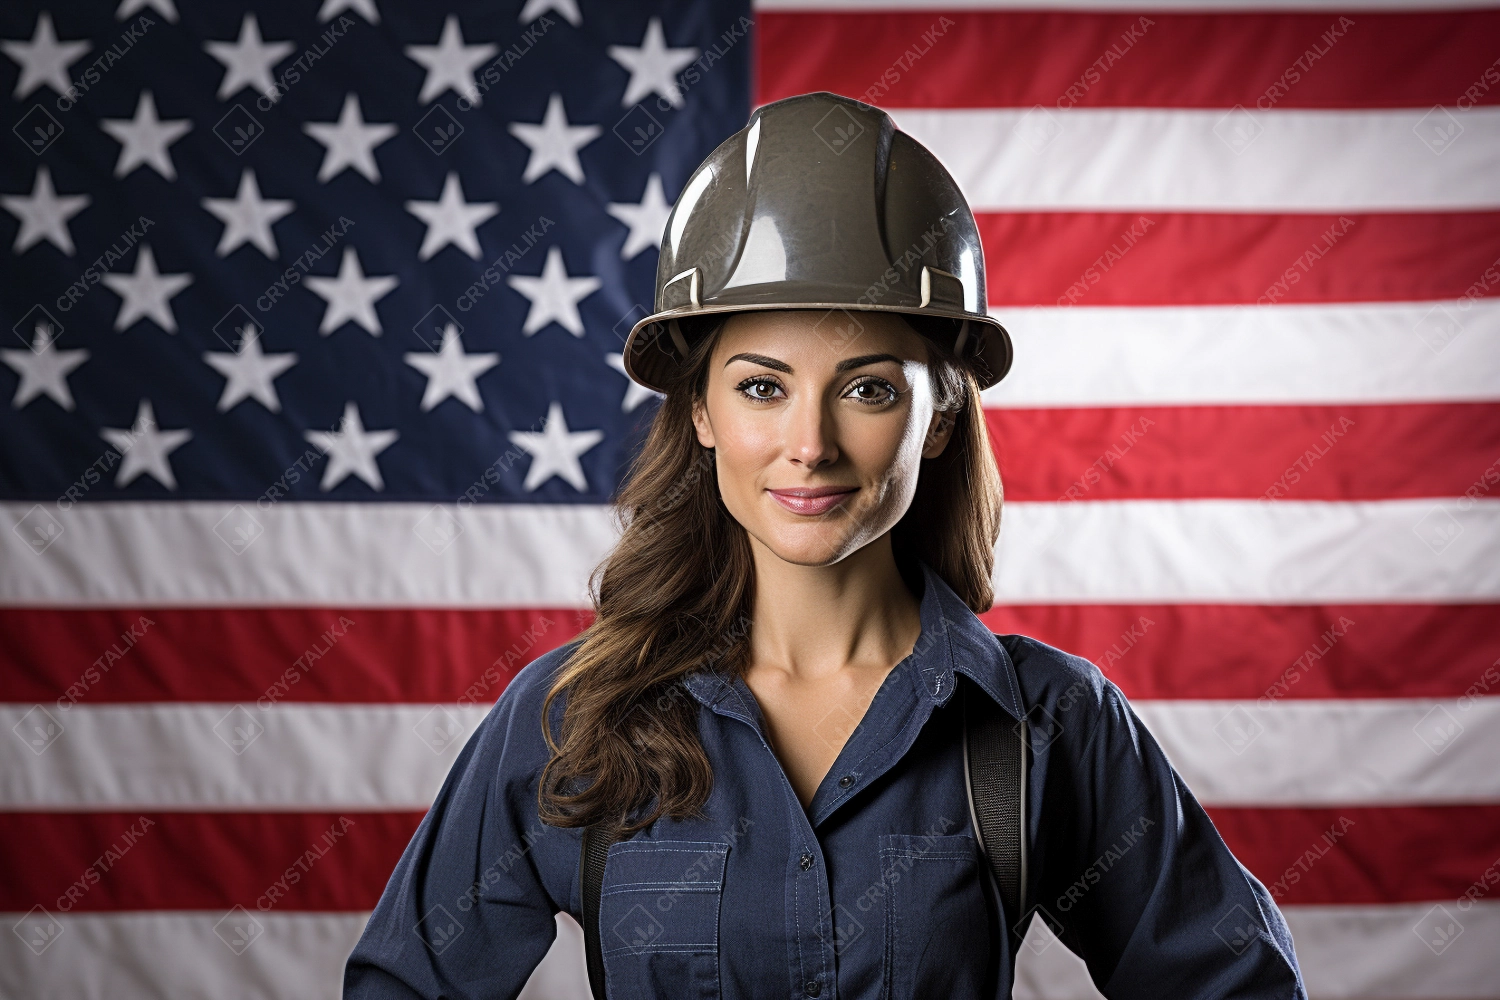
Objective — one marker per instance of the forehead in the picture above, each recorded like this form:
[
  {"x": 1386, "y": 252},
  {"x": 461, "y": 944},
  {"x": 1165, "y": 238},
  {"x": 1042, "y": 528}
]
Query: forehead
[{"x": 818, "y": 338}]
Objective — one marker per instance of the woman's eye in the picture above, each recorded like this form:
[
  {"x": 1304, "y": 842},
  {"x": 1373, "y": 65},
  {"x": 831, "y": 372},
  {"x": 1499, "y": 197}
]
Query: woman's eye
[
  {"x": 874, "y": 391},
  {"x": 759, "y": 388}
]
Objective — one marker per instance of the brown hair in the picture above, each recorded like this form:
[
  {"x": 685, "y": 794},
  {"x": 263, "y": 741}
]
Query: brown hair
[{"x": 675, "y": 594}]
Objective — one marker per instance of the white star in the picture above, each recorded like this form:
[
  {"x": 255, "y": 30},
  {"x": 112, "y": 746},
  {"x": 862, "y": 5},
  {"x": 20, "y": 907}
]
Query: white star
[
  {"x": 145, "y": 448},
  {"x": 145, "y": 138},
  {"x": 567, "y": 8},
  {"x": 352, "y": 450},
  {"x": 554, "y": 296},
  {"x": 362, "y": 7},
  {"x": 44, "y": 59},
  {"x": 451, "y": 372},
  {"x": 555, "y": 450},
  {"x": 248, "y": 60},
  {"x": 43, "y": 369},
  {"x": 450, "y": 63},
  {"x": 350, "y": 142},
  {"x": 44, "y": 214},
  {"x": 351, "y": 296},
  {"x": 647, "y": 221},
  {"x": 247, "y": 217},
  {"x": 554, "y": 143},
  {"x": 144, "y": 292},
  {"x": 450, "y": 219},
  {"x": 635, "y": 393},
  {"x": 249, "y": 373},
  {"x": 653, "y": 66},
  {"x": 166, "y": 8}
]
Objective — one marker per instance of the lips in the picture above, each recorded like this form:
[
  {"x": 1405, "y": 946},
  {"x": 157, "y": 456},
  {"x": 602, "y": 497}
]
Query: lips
[{"x": 813, "y": 499}]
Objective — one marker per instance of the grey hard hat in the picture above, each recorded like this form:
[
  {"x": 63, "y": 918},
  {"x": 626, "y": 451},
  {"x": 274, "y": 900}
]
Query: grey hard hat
[{"x": 820, "y": 203}]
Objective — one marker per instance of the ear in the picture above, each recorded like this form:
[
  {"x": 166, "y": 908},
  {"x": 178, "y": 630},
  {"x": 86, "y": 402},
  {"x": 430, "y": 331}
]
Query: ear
[
  {"x": 938, "y": 433},
  {"x": 700, "y": 422}
]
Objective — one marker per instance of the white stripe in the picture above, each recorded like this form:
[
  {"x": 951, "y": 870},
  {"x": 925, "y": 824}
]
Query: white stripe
[
  {"x": 1150, "y": 159},
  {"x": 181, "y": 756},
  {"x": 1220, "y": 355},
  {"x": 365, "y": 555},
  {"x": 1312, "y": 753},
  {"x": 321, "y": 757},
  {"x": 343, "y": 554},
  {"x": 1245, "y": 551},
  {"x": 1134, "y": 6},
  {"x": 1345, "y": 952}
]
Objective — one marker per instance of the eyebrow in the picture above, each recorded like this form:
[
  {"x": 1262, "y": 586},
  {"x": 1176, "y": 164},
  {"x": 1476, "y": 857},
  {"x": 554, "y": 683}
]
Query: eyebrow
[{"x": 842, "y": 366}]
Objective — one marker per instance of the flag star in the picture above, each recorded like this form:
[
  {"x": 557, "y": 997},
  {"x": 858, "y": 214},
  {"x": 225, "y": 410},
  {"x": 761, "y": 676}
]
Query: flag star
[
  {"x": 451, "y": 372},
  {"x": 163, "y": 7},
  {"x": 350, "y": 141},
  {"x": 351, "y": 296},
  {"x": 44, "y": 214},
  {"x": 247, "y": 217},
  {"x": 44, "y": 369},
  {"x": 653, "y": 67},
  {"x": 450, "y": 219},
  {"x": 635, "y": 393},
  {"x": 351, "y": 450},
  {"x": 555, "y": 450},
  {"x": 450, "y": 63},
  {"x": 250, "y": 373},
  {"x": 647, "y": 221},
  {"x": 145, "y": 138},
  {"x": 44, "y": 59},
  {"x": 568, "y": 9},
  {"x": 365, "y": 8},
  {"x": 144, "y": 293},
  {"x": 145, "y": 448},
  {"x": 554, "y": 143},
  {"x": 554, "y": 295},
  {"x": 248, "y": 60}
]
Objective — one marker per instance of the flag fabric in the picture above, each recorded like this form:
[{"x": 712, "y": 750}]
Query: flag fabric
[{"x": 311, "y": 402}]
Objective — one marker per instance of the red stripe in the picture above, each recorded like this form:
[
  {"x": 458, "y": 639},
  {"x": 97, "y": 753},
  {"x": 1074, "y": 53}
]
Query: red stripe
[
  {"x": 1020, "y": 58},
  {"x": 1210, "y": 651},
  {"x": 200, "y": 861},
  {"x": 1187, "y": 258},
  {"x": 1342, "y": 452},
  {"x": 1352, "y": 855},
  {"x": 88, "y": 656}
]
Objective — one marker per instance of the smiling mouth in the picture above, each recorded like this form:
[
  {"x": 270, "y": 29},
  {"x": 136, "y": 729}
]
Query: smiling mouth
[{"x": 813, "y": 500}]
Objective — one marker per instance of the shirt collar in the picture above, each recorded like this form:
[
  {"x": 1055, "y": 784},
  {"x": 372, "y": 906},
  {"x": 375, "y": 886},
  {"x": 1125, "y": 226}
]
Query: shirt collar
[{"x": 953, "y": 640}]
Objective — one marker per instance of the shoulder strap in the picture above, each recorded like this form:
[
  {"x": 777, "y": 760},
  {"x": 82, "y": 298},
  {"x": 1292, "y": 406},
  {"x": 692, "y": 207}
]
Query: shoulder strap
[
  {"x": 591, "y": 858},
  {"x": 995, "y": 768}
]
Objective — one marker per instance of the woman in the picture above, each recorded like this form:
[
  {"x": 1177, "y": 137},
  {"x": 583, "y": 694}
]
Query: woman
[{"x": 764, "y": 710}]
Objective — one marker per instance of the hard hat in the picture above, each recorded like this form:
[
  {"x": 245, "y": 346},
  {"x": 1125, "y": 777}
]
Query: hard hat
[{"x": 820, "y": 203}]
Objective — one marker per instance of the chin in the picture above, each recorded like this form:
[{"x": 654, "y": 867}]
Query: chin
[{"x": 812, "y": 541}]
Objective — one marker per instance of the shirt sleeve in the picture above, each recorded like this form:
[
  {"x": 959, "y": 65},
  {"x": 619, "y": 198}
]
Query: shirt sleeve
[
  {"x": 1139, "y": 883},
  {"x": 469, "y": 910}
]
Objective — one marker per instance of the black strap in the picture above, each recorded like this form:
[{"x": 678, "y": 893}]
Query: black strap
[
  {"x": 995, "y": 746},
  {"x": 995, "y": 758},
  {"x": 591, "y": 859}
]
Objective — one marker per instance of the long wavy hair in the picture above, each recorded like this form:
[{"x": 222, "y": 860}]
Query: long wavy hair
[{"x": 675, "y": 594}]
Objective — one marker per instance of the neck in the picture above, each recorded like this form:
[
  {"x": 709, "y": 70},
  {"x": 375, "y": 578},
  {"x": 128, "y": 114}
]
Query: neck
[{"x": 816, "y": 620}]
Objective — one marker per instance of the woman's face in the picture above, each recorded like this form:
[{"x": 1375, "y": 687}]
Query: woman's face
[{"x": 818, "y": 441}]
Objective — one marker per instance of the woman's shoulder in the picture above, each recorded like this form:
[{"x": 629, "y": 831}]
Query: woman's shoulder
[
  {"x": 1056, "y": 682},
  {"x": 527, "y": 691}
]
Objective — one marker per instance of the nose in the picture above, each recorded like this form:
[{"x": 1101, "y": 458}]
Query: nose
[{"x": 810, "y": 433}]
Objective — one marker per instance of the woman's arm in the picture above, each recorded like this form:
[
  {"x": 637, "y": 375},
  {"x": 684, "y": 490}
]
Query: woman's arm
[
  {"x": 1138, "y": 882},
  {"x": 469, "y": 910}
]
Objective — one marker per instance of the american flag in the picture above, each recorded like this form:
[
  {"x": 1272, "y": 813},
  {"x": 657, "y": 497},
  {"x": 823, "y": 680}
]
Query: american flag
[{"x": 311, "y": 404}]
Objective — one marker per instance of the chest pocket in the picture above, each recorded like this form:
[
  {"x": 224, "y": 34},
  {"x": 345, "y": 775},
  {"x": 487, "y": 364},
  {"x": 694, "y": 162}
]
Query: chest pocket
[
  {"x": 659, "y": 918},
  {"x": 937, "y": 935}
]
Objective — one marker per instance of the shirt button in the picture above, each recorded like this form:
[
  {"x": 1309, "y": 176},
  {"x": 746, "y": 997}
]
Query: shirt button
[
  {"x": 806, "y": 861},
  {"x": 844, "y": 782},
  {"x": 812, "y": 987}
]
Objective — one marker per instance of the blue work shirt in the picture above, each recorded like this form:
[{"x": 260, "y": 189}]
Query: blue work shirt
[{"x": 874, "y": 890}]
